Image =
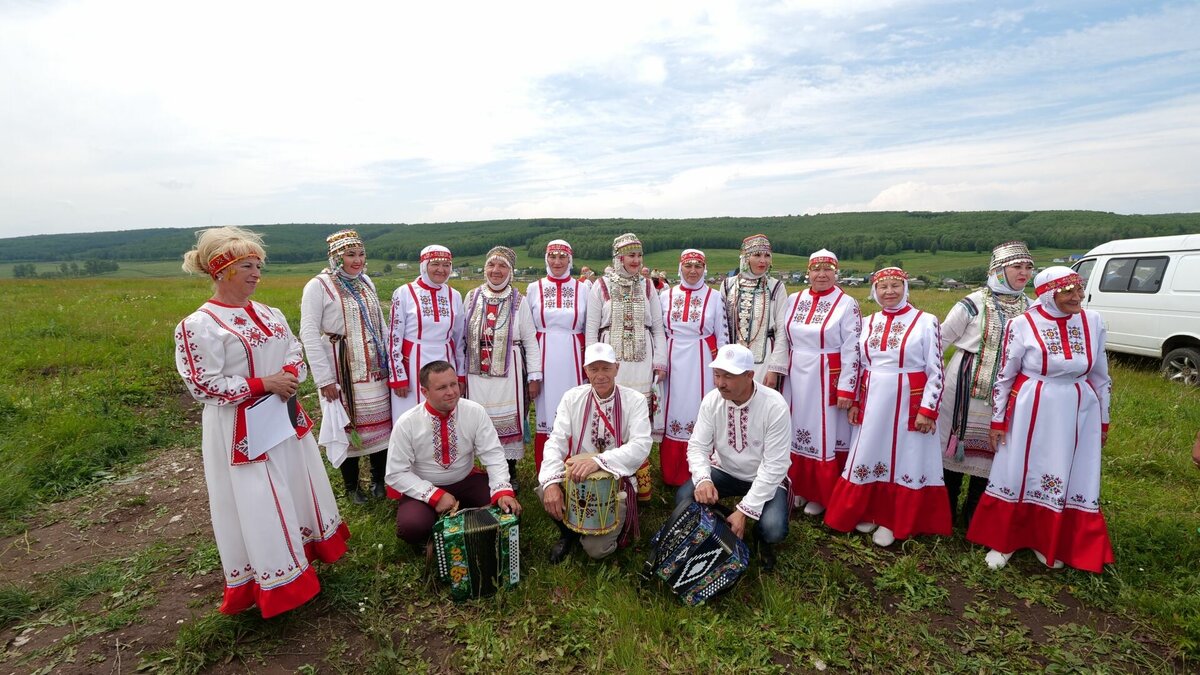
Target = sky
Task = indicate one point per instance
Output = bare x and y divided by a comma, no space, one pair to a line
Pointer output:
124,114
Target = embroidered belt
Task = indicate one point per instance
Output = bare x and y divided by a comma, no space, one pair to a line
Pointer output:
892,370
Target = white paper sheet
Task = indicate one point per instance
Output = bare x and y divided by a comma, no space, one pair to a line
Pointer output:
267,425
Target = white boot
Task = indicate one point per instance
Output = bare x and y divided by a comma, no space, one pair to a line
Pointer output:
865,528
797,501
1058,564
997,560
813,509
883,537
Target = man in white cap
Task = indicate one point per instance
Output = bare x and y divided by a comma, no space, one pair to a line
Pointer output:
599,417
740,448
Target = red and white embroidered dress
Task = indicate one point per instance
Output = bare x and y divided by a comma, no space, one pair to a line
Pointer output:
893,473
821,331
1052,398
272,515
695,326
559,311
429,449
427,325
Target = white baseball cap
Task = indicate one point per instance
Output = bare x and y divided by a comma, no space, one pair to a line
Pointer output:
600,351
733,359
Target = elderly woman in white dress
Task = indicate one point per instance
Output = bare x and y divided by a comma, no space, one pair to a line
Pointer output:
1049,423
624,311
819,332
502,353
754,302
345,340
892,483
695,326
426,326
975,328
272,509
558,306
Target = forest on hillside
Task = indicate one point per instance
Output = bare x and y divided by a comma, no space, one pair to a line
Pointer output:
860,236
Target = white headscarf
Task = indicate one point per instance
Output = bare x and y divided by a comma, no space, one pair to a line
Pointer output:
890,273
505,255
559,245
432,252
689,255
1050,280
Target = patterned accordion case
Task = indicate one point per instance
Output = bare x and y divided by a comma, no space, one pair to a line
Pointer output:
477,551
696,554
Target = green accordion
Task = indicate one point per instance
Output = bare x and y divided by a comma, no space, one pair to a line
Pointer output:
478,551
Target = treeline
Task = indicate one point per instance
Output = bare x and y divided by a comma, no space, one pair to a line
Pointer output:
861,236
90,268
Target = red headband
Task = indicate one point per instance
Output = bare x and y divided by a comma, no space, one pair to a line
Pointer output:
559,248
823,260
692,256
889,273
1061,282
436,255
220,262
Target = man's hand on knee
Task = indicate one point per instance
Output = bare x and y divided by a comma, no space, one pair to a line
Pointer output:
552,500
706,493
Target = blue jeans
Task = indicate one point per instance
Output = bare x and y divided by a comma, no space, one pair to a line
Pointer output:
772,527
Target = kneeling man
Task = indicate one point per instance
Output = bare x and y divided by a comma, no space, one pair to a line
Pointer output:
598,417
740,448
431,458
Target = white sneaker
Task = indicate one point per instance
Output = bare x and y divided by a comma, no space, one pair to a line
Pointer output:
1058,564
996,560
797,501
866,528
883,537
813,509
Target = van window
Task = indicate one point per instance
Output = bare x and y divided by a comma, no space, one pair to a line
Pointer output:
1133,275
1084,270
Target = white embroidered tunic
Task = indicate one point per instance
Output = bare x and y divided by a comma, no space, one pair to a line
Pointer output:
426,325
558,308
428,449
638,375
695,327
622,437
749,442
753,311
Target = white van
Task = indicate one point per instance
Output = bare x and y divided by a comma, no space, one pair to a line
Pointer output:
1148,293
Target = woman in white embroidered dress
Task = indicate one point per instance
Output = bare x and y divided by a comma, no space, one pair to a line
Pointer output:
820,331
892,483
426,325
558,305
624,312
345,341
502,353
1049,423
754,301
975,327
272,513
695,326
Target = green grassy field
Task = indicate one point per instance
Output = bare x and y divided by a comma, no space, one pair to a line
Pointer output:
88,389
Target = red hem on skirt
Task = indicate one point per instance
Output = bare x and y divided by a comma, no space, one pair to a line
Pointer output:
330,550
1078,538
672,458
275,601
539,444
904,511
814,479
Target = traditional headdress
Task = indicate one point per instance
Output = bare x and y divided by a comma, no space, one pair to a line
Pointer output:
219,262
506,254
890,273
1008,253
692,255
1054,280
823,257
433,252
755,243
559,246
338,243
625,244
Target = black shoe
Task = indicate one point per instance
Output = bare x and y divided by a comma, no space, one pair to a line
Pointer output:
512,475
562,548
766,552
357,496
378,490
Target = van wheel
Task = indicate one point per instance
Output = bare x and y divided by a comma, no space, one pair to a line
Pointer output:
1182,365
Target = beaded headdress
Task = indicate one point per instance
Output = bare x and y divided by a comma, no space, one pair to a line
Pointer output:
1009,253
626,243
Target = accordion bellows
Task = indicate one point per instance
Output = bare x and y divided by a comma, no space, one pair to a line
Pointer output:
477,551
696,554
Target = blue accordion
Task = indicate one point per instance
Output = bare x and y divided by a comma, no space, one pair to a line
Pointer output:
696,554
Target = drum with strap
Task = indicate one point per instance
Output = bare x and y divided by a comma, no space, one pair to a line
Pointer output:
591,504
477,551
695,554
